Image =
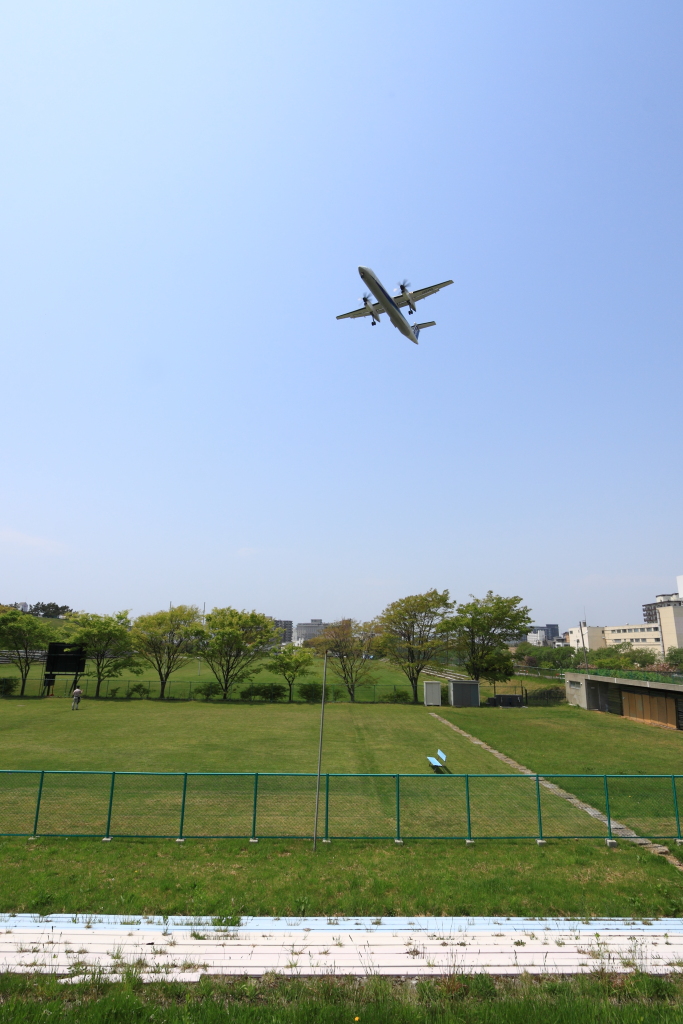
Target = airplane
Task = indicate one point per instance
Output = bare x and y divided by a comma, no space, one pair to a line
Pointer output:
386,304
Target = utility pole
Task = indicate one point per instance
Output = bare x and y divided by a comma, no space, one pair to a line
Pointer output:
320,756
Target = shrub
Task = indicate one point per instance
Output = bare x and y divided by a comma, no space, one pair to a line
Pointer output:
312,693
272,691
547,695
267,691
139,690
208,690
8,685
397,697
114,690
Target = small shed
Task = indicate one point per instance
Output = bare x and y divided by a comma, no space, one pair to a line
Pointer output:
432,693
463,693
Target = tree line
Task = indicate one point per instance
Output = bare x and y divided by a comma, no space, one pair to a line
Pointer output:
619,657
413,633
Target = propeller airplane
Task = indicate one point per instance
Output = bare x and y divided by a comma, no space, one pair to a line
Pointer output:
391,306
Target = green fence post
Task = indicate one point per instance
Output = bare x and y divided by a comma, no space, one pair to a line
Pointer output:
467,804
253,819
675,795
107,836
538,808
40,794
327,808
609,816
398,810
182,811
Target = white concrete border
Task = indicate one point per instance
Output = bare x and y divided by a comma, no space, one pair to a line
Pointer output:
184,949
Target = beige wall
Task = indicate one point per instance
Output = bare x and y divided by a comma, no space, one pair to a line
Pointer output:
671,620
643,635
593,636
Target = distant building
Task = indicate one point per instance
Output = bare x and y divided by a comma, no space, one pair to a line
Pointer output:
589,637
308,630
543,636
666,614
287,629
661,601
649,637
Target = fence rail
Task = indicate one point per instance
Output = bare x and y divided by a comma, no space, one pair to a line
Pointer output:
260,805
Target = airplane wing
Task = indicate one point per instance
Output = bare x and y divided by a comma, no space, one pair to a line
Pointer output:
362,311
419,293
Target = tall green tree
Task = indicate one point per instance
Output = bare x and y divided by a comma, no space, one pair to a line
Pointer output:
410,634
291,663
348,645
235,643
674,658
24,639
621,656
167,640
107,644
483,626
498,667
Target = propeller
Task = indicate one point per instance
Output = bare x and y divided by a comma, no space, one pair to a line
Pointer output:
404,286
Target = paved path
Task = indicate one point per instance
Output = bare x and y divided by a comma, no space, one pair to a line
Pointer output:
183,949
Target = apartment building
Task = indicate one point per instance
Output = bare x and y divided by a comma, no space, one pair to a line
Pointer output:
649,637
308,630
582,635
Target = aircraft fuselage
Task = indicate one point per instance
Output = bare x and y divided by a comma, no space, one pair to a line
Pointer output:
371,281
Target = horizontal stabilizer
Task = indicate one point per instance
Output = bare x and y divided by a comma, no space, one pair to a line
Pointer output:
430,323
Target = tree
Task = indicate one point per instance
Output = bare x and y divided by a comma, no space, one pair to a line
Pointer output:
233,643
544,657
409,632
24,640
347,644
106,642
497,666
674,658
621,656
49,610
291,663
483,626
166,640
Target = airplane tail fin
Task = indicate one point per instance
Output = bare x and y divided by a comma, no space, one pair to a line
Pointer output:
420,327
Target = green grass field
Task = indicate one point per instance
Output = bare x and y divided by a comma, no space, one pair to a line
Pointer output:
568,878
351,876
456,999
569,739
203,737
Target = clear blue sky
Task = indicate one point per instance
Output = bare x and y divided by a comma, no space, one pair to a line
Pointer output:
188,189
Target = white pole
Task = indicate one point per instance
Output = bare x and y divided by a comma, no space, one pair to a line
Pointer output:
320,756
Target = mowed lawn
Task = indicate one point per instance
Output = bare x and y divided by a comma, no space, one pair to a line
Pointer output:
152,736
569,739
197,736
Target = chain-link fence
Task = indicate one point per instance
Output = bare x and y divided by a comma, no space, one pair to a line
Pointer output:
259,805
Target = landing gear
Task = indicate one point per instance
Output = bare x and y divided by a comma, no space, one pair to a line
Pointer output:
373,323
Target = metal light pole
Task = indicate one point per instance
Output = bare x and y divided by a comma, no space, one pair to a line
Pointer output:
320,756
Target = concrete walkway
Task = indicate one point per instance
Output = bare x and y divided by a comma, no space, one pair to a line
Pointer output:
182,949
